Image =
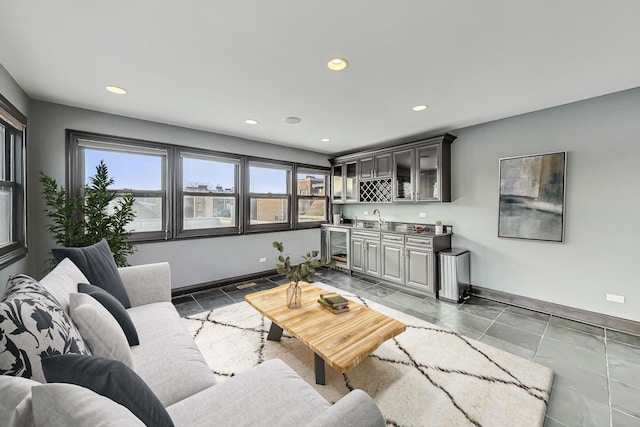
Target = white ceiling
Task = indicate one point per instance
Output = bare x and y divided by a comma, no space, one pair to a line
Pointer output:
210,65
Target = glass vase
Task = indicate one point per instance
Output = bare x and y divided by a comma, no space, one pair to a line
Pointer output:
294,296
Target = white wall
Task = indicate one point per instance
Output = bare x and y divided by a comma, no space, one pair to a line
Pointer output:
600,252
192,261
12,92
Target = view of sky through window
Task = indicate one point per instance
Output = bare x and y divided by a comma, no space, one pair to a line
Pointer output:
129,170
197,172
268,180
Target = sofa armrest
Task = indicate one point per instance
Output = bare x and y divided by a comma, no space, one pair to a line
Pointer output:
355,409
147,283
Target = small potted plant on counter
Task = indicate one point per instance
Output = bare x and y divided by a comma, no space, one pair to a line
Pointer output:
439,228
297,272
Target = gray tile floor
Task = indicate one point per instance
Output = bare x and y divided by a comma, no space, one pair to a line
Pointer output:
597,370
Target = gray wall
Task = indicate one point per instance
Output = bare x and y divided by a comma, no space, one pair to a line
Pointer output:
192,261
602,136
599,255
10,90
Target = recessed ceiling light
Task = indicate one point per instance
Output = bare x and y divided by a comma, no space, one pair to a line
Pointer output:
115,89
325,140
337,64
420,107
291,120
251,122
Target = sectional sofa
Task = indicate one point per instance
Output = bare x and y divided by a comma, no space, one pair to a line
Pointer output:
162,379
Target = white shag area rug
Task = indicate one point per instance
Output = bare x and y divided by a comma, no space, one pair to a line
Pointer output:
426,376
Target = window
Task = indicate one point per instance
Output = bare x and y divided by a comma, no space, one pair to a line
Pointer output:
209,194
183,192
12,182
136,168
269,196
312,197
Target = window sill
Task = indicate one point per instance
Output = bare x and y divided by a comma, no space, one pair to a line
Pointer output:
12,256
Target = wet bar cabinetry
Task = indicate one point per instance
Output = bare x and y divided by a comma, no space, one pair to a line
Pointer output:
344,182
419,171
375,166
365,252
392,257
404,259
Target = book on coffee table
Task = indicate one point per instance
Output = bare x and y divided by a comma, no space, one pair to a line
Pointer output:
334,310
334,299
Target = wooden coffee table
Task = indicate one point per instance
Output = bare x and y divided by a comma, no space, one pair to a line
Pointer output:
341,340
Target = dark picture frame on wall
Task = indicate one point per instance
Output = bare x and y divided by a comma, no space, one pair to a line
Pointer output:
532,197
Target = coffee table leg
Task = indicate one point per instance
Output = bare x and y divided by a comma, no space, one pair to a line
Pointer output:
319,368
275,332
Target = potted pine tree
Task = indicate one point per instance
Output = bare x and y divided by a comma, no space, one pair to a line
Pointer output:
102,213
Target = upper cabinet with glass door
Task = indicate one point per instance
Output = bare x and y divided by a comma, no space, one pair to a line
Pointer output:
422,171
403,175
417,171
344,180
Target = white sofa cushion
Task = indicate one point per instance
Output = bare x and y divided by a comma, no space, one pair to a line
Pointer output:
15,401
167,359
63,280
99,329
68,405
270,394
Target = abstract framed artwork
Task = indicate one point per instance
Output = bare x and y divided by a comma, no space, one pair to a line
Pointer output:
532,195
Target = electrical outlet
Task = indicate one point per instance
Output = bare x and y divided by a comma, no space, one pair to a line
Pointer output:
422,214
365,213
263,259
615,298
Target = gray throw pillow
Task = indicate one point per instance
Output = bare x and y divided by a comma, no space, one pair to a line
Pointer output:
33,325
111,379
99,329
64,405
97,264
116,309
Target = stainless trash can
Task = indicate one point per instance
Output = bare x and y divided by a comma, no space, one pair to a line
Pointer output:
454,274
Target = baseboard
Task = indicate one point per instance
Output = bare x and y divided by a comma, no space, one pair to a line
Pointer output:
584,316
176,292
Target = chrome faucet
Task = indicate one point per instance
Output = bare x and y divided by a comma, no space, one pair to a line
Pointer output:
380,220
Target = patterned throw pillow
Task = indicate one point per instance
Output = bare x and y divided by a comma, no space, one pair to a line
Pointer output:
33,325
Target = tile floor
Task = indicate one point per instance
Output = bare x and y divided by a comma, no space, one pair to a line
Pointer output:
597,381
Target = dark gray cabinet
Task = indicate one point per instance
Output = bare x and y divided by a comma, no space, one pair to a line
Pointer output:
365,252
420,264
344,182
392,248
422,172
419,171
421,267
403,175
375,166
405,260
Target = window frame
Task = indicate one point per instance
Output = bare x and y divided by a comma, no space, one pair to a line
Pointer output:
248,195
181,153
297,197
13,175
76,169
173,210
